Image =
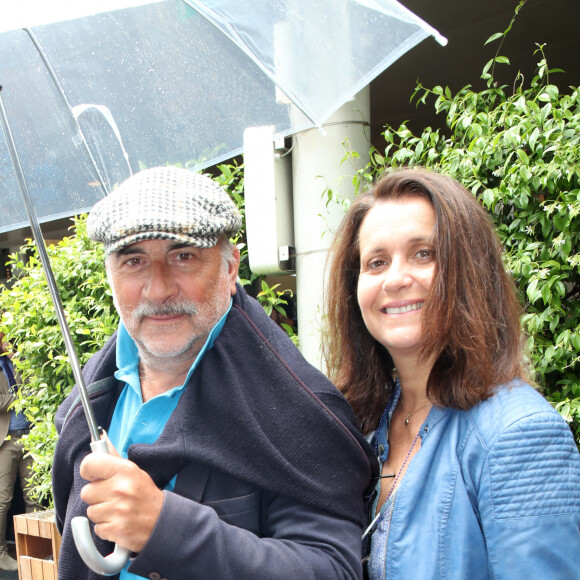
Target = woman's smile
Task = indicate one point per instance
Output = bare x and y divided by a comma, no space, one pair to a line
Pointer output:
403,309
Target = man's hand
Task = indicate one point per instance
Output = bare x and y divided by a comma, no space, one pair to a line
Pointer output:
124,502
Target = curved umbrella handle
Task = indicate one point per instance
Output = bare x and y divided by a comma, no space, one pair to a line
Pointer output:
106,566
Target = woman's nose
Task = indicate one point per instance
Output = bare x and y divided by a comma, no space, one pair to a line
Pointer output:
396,276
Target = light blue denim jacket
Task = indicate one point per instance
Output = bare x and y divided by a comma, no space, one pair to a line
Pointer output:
494,492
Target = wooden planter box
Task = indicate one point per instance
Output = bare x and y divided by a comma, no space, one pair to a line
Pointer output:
37,545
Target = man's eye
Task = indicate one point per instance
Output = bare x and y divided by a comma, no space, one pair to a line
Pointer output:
133,261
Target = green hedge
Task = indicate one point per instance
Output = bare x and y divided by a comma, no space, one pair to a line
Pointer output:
30,323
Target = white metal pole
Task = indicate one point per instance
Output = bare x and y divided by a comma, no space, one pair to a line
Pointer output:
316,166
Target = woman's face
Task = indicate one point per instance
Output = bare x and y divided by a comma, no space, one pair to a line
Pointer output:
397,263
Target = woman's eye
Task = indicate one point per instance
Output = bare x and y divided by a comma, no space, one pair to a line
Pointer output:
424,254
375,264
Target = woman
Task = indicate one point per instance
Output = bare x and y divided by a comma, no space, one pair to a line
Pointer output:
480,477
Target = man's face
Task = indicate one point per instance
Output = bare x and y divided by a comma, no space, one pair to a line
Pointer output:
170,295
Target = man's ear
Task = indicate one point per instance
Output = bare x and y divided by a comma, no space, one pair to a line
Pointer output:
233,266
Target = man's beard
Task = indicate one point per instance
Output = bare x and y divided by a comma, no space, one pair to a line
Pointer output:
203,319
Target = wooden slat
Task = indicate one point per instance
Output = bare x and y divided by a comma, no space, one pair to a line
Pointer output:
48,570
45,528
36,567
25,568
20,525
33,527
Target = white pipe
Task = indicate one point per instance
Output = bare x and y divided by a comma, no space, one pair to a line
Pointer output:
316,165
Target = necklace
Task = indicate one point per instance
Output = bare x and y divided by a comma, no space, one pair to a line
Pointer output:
412,412
396,480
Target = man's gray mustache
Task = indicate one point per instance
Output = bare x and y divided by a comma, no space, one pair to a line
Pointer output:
173,309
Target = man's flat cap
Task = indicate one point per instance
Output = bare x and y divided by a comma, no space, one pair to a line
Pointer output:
167,203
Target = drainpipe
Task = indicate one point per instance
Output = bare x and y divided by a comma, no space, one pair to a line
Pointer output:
316,166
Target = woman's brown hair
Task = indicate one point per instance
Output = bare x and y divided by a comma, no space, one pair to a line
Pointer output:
470,320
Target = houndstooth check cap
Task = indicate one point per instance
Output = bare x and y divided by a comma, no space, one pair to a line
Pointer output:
168,203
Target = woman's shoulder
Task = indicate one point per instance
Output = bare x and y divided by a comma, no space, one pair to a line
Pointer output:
531,458
516,398
516,408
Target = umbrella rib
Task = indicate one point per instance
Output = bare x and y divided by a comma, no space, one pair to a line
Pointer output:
57,84
235,38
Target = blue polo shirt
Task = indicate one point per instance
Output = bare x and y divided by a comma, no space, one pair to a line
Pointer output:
135,421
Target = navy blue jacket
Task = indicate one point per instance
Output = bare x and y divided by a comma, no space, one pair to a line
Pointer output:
271,468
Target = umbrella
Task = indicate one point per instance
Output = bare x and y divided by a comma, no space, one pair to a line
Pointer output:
97,92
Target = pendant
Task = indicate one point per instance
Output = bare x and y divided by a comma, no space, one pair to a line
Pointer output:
407,419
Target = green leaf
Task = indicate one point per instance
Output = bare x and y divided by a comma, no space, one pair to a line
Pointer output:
532,291
546,293
561,221
488,197
487,66
494,37
523,156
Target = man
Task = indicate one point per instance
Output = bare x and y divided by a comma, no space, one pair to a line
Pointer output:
13,461
237,459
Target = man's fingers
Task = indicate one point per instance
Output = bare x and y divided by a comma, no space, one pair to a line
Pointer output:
102,466
123,501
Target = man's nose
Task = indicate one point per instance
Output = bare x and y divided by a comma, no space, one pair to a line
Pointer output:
161,284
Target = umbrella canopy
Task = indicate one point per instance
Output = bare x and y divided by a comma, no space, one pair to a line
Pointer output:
96,90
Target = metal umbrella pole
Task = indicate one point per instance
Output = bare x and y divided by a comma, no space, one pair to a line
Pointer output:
116,561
